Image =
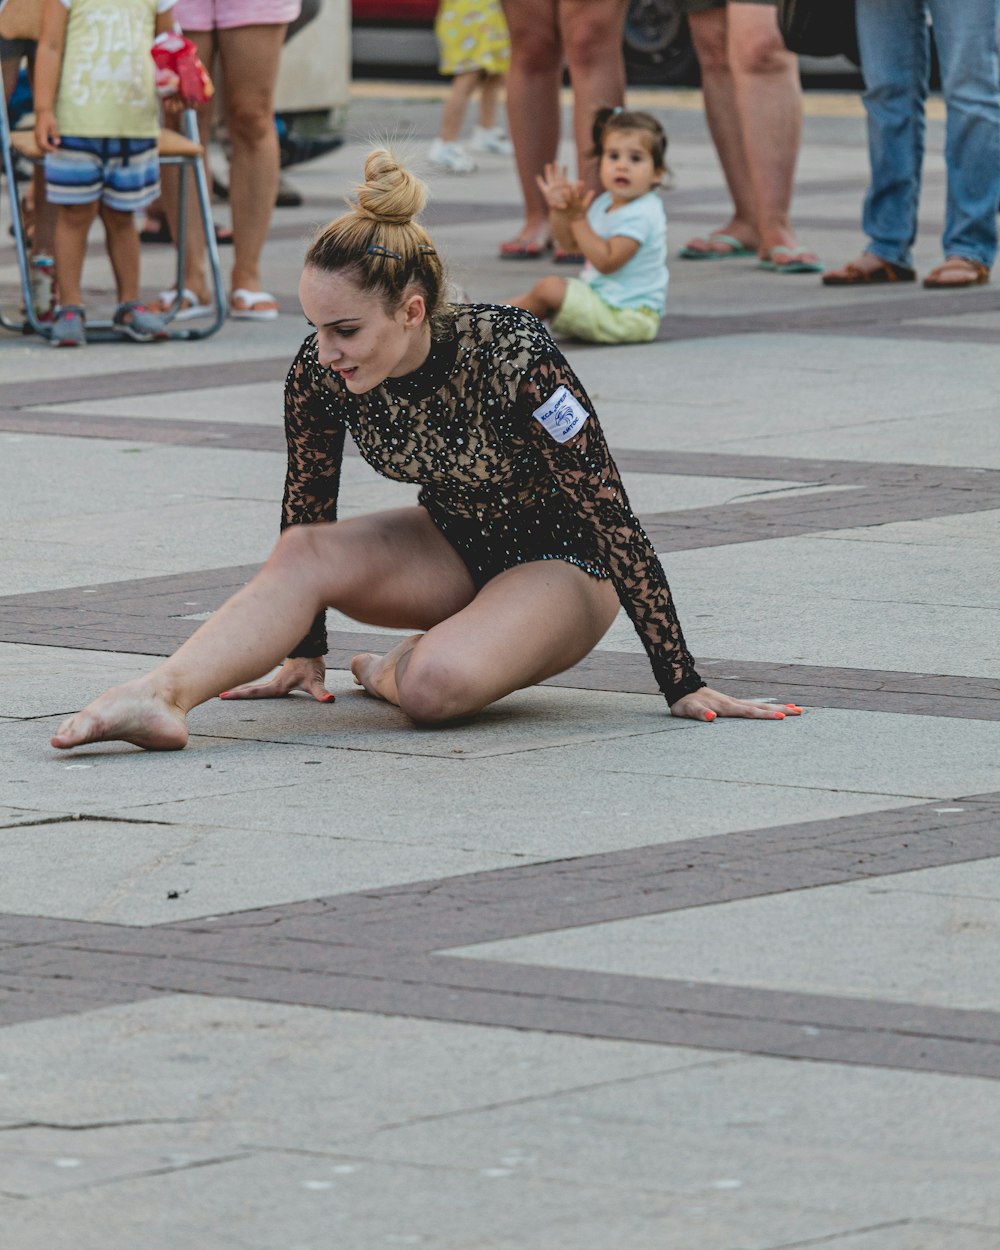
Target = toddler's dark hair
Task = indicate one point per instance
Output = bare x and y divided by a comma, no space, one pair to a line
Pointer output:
608,120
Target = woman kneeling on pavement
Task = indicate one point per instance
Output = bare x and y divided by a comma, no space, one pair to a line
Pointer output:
513,562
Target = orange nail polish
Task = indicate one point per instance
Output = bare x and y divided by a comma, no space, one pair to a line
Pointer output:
710,716
779,716
794,706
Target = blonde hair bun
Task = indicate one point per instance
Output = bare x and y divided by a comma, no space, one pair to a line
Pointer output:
390,193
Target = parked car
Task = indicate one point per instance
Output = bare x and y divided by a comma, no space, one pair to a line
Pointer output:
398,35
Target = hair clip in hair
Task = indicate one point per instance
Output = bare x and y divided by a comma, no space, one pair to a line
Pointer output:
376,249
426,247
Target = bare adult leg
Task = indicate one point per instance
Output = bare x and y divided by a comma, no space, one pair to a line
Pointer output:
393,569
195,275
528,624
592,33
769,105
710,34
250,56
532,111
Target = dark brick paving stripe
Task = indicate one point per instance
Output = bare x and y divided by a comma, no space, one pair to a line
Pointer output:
124,383
147,616
374,951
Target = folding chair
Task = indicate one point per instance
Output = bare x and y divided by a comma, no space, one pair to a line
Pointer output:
180,149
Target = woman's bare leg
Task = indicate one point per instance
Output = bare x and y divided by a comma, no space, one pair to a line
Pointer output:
195,274
533,104
592,32
393,569
250,57
528,624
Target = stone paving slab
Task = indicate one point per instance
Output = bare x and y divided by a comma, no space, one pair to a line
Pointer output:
922,938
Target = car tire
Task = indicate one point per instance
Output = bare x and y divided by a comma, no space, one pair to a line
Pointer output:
657,45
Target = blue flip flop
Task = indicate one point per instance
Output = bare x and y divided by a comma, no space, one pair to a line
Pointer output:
733,248
796,262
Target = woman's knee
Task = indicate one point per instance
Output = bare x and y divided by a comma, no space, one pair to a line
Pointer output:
432,689
251,124
760,50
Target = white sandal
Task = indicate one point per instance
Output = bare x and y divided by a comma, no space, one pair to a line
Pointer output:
190,305
251,299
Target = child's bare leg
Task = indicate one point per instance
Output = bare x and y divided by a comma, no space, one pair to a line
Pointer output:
544,299
123,251
489,98
456,103
72,227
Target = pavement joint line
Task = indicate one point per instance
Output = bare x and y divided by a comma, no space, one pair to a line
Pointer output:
385,951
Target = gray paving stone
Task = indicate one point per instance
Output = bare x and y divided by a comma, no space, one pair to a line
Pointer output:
461,803
109,776
138,873
870,752
923,937
919,1235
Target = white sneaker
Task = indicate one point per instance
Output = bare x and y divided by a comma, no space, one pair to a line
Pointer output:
451,157
494,141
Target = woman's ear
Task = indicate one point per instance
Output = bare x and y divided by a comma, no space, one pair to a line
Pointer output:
414,310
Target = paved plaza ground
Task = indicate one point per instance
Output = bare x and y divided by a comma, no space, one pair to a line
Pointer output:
572,975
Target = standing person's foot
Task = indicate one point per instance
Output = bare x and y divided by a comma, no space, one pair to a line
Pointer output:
130,713
188,305
868,270
528,244
789,258
67,328
491,140
451,157
135,321
957,272
247,305
717,246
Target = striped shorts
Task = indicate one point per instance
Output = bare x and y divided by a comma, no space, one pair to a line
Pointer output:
123,173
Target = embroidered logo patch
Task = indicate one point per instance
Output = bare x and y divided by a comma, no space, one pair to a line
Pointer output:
562,414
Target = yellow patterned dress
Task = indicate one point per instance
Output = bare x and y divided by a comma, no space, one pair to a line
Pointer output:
472,35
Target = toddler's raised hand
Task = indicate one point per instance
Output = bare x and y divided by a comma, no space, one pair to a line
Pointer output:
555,186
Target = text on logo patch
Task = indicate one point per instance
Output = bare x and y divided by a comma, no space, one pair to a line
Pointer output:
562,414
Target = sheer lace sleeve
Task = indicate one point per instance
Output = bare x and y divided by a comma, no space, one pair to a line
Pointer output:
584,469
314,430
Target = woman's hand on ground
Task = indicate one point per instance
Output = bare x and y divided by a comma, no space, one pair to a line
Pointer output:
707,704
299,674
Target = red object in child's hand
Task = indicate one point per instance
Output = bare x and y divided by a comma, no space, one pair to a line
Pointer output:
179,71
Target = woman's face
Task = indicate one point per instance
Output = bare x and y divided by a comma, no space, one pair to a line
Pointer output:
356,337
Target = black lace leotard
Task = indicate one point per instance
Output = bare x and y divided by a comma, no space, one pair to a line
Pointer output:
474,428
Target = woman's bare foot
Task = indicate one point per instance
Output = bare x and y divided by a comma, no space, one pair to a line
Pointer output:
130,713
377,673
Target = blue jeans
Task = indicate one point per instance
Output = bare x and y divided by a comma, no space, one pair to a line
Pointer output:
895,58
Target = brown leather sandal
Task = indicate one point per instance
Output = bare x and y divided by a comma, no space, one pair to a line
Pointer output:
853,275
971,272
